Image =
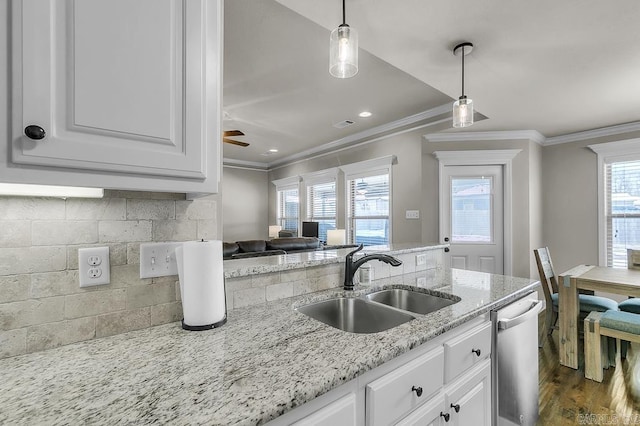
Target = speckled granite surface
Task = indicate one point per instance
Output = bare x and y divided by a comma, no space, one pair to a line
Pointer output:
266,360
234,268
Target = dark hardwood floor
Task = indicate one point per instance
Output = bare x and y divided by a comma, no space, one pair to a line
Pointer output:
567,398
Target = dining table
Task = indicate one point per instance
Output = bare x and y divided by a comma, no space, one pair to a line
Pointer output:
588,277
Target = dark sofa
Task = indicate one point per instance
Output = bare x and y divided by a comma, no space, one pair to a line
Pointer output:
254,248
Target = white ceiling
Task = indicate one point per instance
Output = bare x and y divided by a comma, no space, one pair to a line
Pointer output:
557,67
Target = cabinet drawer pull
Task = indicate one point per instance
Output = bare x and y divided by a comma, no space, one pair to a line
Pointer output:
417,390
456,407
34,132
476,351
445,415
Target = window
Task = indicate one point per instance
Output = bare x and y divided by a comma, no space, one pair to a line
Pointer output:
619,200
622,210
368,187
321,206
288,203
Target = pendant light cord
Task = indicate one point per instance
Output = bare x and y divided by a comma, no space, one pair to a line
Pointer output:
344,14
463,71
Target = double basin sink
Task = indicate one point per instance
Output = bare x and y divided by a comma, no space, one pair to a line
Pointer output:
377,311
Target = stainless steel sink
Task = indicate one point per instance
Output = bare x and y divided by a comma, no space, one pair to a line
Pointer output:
412,301
355,315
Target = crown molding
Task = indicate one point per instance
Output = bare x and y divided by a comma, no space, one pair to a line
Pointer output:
365,134
532,135
241,164
595,133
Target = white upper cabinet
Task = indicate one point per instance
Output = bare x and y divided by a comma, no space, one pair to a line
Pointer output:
117,93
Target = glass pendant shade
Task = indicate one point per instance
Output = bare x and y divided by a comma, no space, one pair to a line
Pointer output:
463,112
343,52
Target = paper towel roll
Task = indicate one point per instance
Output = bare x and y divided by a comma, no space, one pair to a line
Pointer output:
201,274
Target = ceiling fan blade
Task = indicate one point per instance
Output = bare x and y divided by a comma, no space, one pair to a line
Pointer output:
234,142
232,133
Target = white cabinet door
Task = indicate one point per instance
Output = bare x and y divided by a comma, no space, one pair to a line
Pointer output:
119,87
430,414
469,399
340,412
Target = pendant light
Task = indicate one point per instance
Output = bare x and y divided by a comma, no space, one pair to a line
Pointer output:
463,107
343,50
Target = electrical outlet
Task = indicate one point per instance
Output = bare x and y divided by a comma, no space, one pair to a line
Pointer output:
421,259
412,214
158,259
94,266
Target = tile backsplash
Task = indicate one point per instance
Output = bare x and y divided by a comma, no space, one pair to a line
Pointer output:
41,303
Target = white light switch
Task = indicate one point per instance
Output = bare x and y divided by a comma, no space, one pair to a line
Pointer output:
412,214
158,259
94,266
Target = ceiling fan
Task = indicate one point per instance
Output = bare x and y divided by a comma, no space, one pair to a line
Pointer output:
227,133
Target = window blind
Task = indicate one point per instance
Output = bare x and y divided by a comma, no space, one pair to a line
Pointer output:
288,208
622,210
368,207
321,206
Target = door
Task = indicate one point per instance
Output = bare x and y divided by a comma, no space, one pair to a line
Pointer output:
472,217
118,86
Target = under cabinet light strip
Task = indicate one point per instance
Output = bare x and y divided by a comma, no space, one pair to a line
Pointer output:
23,190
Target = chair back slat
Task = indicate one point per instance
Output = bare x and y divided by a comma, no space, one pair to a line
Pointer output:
546,272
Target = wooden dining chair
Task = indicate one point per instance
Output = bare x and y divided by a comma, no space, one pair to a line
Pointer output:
549,284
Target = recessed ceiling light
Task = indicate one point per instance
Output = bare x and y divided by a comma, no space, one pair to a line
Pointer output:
273,150
365,114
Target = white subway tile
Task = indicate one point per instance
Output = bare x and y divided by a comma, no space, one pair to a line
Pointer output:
52,335
31,312
15,233
32,259
121,322
48,233
174,230
14,288
96,209
94,303
151,209
196,210
25,208
124,231
13,342
51,284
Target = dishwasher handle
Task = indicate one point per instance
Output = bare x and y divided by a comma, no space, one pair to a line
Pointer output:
535,309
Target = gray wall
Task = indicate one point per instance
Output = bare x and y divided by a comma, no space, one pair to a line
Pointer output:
570,202
406,179
244,204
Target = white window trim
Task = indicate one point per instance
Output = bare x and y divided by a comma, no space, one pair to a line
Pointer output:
503,157
610,152
373,167
285,184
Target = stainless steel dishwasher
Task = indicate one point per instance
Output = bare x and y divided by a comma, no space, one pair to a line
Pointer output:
514,366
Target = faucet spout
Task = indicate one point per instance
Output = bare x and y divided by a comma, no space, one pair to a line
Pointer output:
350,267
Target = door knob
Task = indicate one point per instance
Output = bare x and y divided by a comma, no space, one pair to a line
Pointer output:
34,132
476,351
446,249
456,407
445,415
417,390
446,239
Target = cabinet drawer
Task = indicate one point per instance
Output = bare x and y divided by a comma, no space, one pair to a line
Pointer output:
395,394
429,414
461,353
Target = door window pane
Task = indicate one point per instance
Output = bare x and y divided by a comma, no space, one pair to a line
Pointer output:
471,215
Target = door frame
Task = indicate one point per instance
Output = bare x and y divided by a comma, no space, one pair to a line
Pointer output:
500,157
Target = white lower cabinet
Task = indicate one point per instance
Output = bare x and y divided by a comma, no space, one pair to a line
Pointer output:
446,381
468,400
340,412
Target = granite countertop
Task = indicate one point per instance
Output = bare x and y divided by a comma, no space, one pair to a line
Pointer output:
234,268
265,361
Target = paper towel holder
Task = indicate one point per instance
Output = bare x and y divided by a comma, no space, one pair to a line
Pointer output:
204,327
